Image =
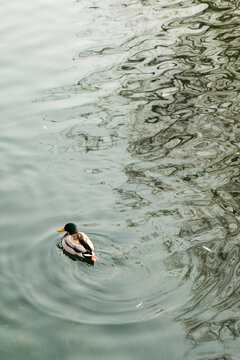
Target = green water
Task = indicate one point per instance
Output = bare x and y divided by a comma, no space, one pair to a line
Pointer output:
122,117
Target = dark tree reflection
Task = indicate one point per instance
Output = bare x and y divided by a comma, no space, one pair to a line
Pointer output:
187,131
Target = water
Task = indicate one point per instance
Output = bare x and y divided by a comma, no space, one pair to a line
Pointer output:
123,118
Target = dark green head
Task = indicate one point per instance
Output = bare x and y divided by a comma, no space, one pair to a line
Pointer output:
70,228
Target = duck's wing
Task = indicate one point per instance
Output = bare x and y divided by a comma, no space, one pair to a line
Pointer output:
84,241
71,246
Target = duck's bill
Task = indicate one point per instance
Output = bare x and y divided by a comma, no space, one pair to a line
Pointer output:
60,230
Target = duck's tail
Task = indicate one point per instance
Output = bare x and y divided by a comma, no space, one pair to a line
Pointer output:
90,256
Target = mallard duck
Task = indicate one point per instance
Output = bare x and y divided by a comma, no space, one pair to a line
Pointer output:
77,243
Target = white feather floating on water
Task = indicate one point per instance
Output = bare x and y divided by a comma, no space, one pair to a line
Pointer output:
206,248
140,304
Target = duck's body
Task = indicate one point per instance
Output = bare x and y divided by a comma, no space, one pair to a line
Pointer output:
77,243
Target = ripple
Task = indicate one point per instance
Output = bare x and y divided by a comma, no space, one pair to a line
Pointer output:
143,129
76,291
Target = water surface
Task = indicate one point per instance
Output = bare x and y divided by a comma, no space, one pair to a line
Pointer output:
123,118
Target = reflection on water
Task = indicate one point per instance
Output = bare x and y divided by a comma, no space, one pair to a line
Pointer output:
187,128
140,147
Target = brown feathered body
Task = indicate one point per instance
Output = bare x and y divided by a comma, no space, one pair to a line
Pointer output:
78,244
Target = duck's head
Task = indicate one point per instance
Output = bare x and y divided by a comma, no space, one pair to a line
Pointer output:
70,228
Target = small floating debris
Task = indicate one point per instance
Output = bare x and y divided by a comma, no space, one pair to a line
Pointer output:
140,304
206,248
44,126
165,94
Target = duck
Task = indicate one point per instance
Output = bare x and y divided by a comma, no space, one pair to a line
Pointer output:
77,243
